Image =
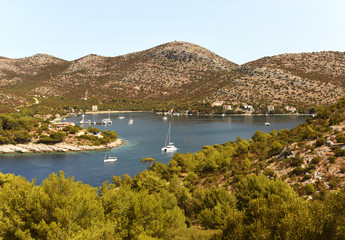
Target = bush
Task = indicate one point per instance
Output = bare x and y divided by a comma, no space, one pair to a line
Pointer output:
296,161
4,140
316,160
320,141
21,137
276,148
45,139
110,134
342,169
331,159
340,138
297,171
309,189
338,152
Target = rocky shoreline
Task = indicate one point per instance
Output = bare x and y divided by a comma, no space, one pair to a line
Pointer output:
59,147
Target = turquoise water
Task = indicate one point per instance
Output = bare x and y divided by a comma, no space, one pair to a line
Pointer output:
144,138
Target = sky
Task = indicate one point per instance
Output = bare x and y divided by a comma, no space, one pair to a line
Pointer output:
240,31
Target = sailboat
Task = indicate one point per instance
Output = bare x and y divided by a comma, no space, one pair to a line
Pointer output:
82,119
169,146
267,123
131,120
94,120
107,120
107,157
121,116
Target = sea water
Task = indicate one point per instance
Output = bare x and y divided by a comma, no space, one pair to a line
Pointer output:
144,138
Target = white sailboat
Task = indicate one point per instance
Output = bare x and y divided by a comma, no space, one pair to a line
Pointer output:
131,120
82,119
169,146
107,157
107,120
267,123
121,116
94,120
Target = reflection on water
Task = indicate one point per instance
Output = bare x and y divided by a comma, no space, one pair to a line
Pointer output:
144,138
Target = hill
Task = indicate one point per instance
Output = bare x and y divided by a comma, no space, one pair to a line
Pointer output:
176,72
167,72
295,79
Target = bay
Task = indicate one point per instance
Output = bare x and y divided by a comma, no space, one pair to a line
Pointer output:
144,138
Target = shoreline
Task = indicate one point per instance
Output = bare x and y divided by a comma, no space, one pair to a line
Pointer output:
202,114
59,147
111,111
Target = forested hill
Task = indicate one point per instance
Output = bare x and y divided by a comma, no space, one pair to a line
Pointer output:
173,72
282,185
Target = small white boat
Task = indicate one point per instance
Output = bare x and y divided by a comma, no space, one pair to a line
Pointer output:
130,121
267,123
165,118
106,121
121,116
107,157
82,119
169,146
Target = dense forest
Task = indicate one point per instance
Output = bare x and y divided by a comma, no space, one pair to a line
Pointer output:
226,191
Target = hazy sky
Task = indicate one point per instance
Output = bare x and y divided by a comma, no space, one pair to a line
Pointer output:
240,31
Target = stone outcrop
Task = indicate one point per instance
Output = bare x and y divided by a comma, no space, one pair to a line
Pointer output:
59,147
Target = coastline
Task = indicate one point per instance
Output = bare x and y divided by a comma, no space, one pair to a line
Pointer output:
111,111
202,114
59,147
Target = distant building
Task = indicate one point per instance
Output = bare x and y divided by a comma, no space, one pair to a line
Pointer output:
84,98
57,115
270,108
47,116
217,103
290,109
94,108
227,107
248,108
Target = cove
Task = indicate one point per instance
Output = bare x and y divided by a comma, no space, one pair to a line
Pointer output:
144,138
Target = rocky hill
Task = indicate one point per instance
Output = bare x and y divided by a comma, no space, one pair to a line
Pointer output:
175,71
308,78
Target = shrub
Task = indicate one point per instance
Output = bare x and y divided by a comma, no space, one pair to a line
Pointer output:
45,139
4,140
21,137
331,159
338,152
309,189
342,169
320,141
340,138
276,148
298,171
316,160
296,161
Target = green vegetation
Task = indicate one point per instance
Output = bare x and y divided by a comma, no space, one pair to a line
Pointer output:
225,191
17,128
